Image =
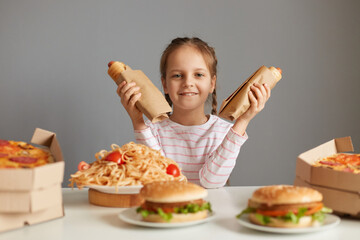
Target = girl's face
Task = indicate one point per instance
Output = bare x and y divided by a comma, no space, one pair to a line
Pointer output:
188,81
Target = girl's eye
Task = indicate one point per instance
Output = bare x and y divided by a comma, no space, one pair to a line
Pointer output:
177,76
199,75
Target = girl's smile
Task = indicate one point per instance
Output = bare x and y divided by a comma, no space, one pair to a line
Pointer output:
188,94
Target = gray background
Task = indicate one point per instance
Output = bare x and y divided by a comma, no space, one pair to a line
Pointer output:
54,55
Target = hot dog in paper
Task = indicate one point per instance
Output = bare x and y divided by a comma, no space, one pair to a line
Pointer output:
238,102
152,102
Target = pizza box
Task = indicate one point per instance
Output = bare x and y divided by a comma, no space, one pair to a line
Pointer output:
28,179
326,177
341,202
10,221
33,195
30,201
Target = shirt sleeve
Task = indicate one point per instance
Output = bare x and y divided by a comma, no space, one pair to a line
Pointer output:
148,137
220,163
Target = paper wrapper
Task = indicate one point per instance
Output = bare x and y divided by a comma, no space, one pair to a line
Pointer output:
152,102
238,102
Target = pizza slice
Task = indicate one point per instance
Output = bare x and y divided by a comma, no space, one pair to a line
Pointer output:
341,162
18,154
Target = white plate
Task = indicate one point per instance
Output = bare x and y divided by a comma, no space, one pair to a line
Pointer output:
130,216
330,222
120,190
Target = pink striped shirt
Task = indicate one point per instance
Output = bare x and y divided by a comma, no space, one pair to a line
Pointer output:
206,153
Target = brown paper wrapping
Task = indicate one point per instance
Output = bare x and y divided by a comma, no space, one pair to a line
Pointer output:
152,102
238,102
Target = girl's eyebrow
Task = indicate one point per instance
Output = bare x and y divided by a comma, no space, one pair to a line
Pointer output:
180,70
200,69
175,70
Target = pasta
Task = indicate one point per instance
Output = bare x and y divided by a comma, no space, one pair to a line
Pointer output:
140,165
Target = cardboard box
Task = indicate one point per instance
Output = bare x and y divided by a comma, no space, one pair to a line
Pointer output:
342,202
341,190
30,201
33,195
10,221
40,177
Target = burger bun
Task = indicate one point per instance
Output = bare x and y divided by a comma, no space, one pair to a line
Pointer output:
172,191
285,194
177,218
305,221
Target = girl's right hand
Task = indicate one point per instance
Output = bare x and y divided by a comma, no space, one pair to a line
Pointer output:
129,95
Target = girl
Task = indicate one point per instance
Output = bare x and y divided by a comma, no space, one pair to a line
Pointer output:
205,146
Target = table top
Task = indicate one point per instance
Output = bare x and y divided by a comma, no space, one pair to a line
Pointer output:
85,221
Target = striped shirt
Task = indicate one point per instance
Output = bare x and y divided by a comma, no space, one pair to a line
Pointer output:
206,153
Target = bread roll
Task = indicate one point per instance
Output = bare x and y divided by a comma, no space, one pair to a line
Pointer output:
276,72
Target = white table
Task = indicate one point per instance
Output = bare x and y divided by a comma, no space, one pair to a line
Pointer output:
84,221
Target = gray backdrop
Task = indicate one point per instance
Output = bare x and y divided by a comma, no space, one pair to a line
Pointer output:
54,55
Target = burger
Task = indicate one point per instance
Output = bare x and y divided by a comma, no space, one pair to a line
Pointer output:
173,201
286,206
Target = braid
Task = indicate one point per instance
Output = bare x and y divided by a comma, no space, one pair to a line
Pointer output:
214,103
167,97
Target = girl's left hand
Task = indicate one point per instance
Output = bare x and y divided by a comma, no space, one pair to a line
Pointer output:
258,96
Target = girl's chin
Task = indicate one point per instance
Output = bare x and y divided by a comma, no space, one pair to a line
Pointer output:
188,107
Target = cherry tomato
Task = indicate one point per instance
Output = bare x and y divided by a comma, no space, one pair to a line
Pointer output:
172,169
83,166
114,156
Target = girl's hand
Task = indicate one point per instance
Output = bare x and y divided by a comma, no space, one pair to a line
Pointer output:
258,96
129,95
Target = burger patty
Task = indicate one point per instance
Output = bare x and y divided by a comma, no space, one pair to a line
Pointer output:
153,206
289,207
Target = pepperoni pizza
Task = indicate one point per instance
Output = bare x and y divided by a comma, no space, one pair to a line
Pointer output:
16,154
341,162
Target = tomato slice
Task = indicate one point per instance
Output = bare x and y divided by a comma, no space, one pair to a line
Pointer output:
278,213
168,209
172,169
273,213
114,156
314,209
83,166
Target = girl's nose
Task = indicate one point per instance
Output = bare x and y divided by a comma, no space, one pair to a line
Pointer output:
188,81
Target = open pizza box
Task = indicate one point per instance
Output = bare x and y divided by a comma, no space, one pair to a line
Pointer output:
341,190
33,195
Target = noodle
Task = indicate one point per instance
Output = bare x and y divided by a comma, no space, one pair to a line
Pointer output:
141,165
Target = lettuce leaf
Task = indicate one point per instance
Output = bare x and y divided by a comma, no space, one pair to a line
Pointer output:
246,211
189,208
320,216
166,216
263,219
294,218
193,208
291,217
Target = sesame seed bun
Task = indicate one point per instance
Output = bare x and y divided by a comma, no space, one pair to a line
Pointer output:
285,194
172,191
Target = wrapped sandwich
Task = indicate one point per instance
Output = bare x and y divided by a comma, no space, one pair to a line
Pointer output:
238,102
152,102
